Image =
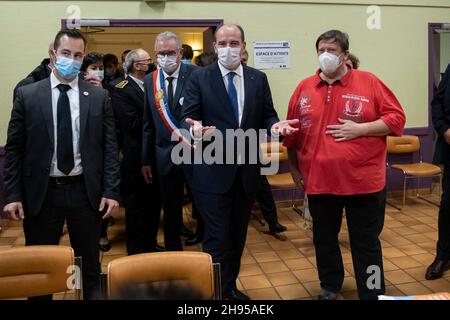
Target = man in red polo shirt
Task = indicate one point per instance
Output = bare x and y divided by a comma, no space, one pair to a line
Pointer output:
339,157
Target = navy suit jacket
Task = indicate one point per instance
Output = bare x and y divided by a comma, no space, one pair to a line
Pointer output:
156,137
440,114
206,99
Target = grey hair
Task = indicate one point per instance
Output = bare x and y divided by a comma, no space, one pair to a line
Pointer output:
131,58
166,36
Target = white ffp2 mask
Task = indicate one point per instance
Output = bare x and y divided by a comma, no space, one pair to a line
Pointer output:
329,62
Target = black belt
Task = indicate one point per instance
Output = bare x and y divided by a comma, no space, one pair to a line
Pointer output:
66,180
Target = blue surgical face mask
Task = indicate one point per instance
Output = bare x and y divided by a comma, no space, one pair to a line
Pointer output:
67,68
97,73
186,61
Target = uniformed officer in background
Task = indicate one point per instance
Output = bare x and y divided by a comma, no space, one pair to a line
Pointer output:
142,201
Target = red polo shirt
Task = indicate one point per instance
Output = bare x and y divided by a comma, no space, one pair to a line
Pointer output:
356,166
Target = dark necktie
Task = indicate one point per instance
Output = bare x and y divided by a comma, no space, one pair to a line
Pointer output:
170,95
232,93
64,148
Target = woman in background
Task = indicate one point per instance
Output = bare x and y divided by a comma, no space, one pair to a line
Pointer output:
92,70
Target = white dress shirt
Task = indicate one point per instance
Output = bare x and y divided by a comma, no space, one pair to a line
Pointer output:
74,100
238,81
140,83
174,75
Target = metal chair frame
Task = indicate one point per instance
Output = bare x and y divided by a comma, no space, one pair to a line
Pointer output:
407,176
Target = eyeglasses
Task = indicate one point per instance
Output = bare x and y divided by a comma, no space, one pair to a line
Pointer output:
144,61
167,53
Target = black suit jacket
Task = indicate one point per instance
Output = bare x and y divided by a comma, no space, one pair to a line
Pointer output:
156,136
128,105
440,114
29,147
206,99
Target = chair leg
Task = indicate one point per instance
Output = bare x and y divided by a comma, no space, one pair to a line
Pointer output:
388,202
294,207
393,205
418,187
428,200
404,192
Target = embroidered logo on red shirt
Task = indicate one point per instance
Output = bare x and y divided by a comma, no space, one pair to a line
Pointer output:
305,101
305,110
353,109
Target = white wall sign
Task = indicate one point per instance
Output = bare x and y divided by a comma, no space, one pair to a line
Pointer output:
271,55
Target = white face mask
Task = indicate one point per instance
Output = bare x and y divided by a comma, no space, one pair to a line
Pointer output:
329,62
167,63
230,58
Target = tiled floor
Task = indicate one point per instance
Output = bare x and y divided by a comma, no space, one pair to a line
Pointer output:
285,268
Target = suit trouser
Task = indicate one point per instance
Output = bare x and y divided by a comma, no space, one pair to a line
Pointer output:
443,244
226,219
104,228
172,193
365,220
142,211
195,213
69,202
266,202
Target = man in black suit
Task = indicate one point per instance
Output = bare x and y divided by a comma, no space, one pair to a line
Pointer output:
42,71
164,96
228,96
268,207
142,200
62,159
440,113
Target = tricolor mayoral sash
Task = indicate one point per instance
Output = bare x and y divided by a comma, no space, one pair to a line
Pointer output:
163,108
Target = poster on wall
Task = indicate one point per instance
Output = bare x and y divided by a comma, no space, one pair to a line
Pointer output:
271,55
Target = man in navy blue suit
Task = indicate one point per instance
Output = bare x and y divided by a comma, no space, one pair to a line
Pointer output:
440,110
221,97
162,109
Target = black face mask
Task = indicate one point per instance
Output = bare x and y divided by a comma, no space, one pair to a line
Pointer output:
151,68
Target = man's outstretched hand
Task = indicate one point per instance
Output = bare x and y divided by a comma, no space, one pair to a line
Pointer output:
285,127
198,130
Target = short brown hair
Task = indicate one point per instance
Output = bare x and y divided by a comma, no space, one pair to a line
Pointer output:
71,33
341,38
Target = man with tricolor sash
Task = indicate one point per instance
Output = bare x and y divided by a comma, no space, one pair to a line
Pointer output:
164,95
